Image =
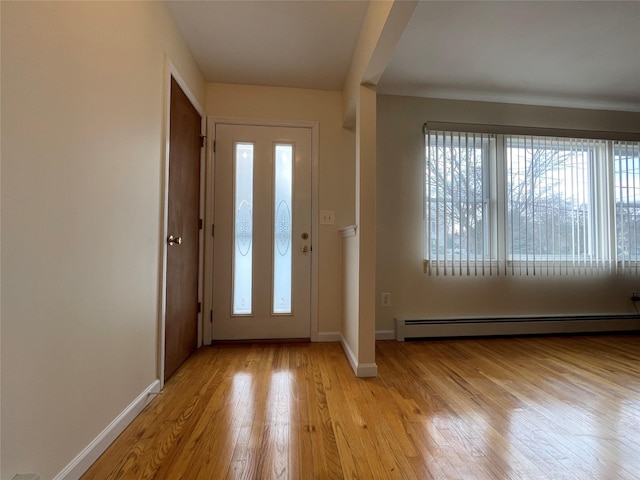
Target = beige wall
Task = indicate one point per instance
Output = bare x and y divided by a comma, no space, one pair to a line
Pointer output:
0,252
400,221
335,163
82,120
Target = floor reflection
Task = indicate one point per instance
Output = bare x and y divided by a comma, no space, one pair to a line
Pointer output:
279,422
538,418
239,421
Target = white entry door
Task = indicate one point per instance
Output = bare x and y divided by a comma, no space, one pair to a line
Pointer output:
262,236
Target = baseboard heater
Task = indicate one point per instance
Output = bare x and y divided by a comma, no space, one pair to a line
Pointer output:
497,326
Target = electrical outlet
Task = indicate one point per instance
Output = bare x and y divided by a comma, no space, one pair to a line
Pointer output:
385,299
327,217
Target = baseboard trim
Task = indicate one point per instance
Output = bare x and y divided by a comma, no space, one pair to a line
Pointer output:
328,337
385,334
367,370
79,465
362,370
349,353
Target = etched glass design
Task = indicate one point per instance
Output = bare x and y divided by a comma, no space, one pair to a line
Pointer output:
243,229
282,222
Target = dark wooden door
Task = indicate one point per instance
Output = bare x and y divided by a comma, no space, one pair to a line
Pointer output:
181,321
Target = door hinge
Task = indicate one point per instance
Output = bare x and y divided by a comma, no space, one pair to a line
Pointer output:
213,229
203,141
211,316
199,224
214,146
199,307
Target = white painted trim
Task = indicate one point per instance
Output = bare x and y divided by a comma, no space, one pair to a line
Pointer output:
367,370
201,214
315,237
164,192
349,231
362,370
315,231
349,353
385,334
81,463
169,71
173,71
329,337
262,122
207,281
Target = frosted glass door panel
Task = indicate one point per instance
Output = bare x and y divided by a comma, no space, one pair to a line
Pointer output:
243,220
282,229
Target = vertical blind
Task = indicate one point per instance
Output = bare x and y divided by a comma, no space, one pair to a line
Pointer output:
553,206
459,230
626,184
530,205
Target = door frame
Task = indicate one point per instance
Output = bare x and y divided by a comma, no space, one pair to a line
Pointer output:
171,71
212,121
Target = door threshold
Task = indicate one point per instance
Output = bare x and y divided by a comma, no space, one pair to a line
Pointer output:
260,340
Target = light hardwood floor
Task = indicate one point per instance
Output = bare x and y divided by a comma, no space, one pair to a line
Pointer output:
517,408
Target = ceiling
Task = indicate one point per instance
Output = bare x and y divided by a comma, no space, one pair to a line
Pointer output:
582,54
303,44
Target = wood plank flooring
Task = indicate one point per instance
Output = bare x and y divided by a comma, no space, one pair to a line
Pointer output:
517,408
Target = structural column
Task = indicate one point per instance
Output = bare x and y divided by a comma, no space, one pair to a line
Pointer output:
366,233
359,328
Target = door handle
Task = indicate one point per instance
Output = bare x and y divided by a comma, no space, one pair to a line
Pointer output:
174,240
305,248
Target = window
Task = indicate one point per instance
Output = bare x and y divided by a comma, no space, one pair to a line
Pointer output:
243,229
282,261
530,205
458,198
626,179
552,203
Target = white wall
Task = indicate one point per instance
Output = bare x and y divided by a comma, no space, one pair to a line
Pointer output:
336,170
82,116
399,253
